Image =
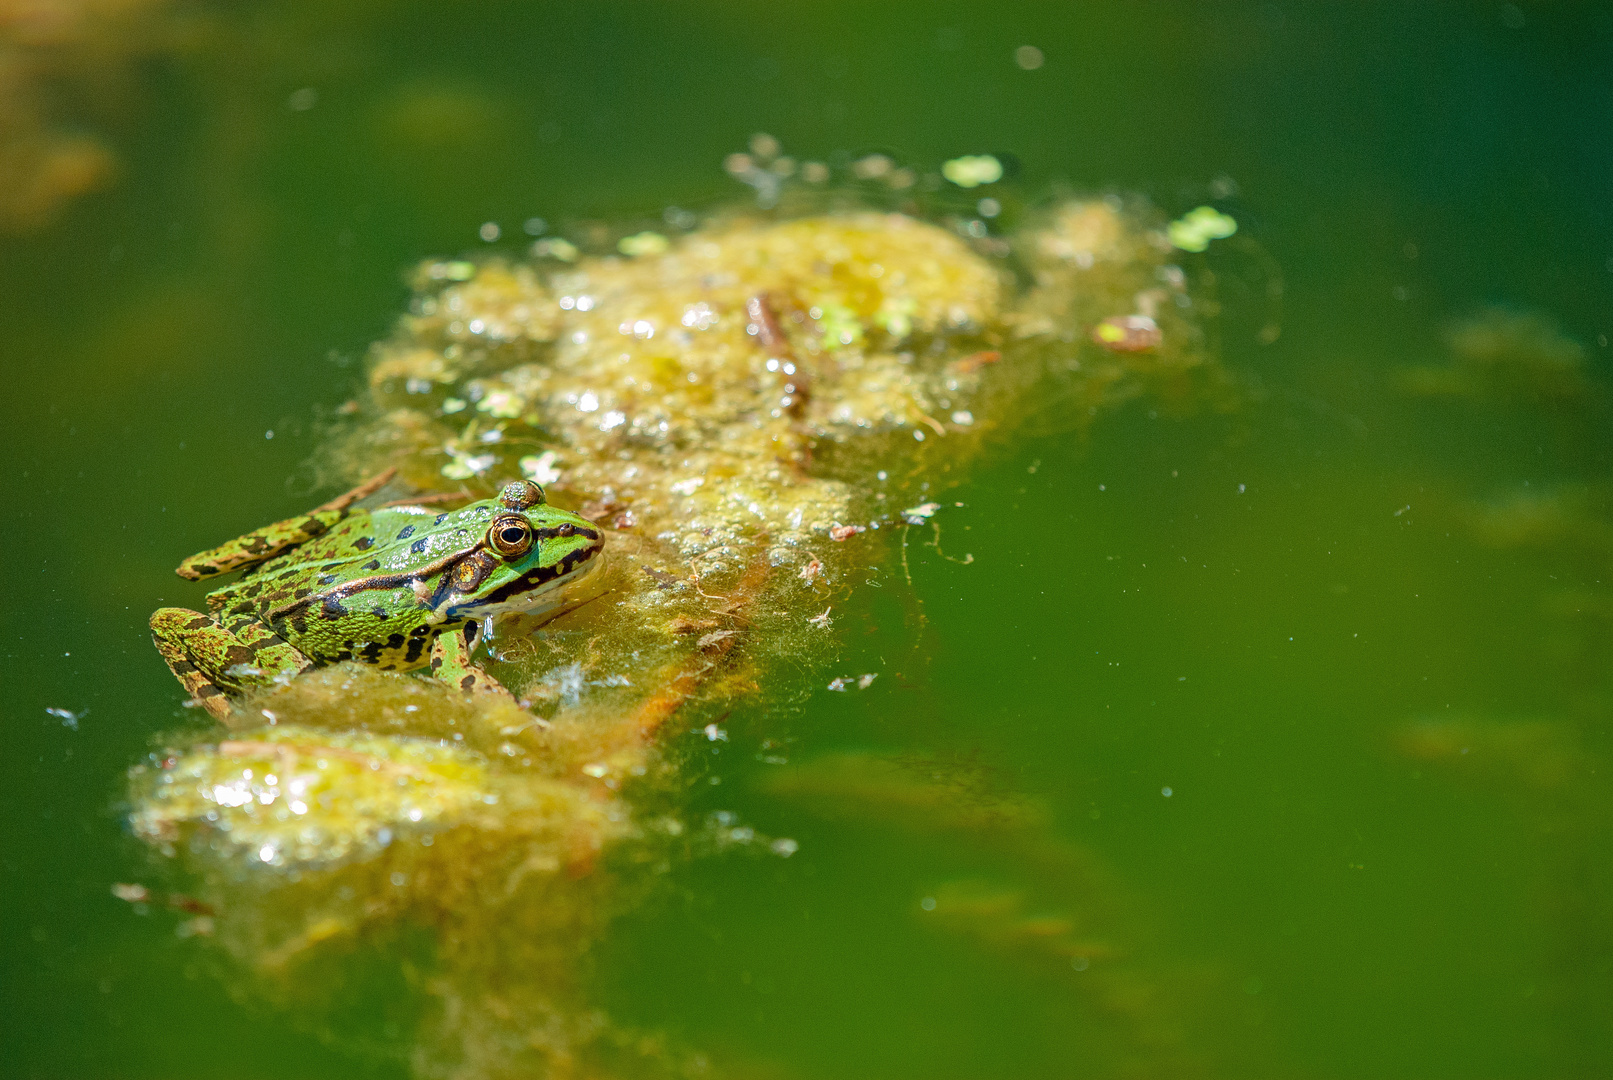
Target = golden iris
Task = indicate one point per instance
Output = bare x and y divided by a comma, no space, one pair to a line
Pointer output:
510,536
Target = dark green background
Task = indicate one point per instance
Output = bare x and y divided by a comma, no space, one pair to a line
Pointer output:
229,284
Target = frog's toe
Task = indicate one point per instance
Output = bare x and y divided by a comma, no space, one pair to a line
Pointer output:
477,681
450,662
175,622
172,631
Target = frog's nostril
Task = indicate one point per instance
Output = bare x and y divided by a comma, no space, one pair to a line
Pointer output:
566,529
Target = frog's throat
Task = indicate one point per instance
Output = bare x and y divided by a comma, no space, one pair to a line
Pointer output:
540,588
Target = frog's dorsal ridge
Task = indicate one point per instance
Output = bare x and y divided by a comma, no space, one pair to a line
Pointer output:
398,580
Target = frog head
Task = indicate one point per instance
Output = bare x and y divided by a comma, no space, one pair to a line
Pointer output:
526,561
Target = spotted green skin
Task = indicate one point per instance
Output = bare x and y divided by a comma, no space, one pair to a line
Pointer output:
398,588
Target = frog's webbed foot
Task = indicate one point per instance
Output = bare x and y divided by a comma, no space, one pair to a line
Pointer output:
212,663
450,662
171,627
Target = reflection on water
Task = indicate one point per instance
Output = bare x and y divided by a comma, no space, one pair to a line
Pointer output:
1266,740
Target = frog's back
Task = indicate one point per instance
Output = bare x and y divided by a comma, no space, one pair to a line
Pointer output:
350,540
388,537
379,626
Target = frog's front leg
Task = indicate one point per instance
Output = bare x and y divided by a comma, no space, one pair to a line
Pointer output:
450,662
212,662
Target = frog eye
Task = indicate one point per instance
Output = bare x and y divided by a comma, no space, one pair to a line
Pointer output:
510,536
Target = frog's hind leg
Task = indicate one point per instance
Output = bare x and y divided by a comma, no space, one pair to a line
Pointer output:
450,662
269,541
212,662
170,627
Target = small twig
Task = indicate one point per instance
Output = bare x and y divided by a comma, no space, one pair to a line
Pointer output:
434,499
906,570
770,333
694,578
936,544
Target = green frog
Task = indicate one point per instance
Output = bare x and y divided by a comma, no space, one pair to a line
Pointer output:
400,587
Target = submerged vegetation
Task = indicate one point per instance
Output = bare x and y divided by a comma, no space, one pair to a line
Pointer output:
1549,764
756,408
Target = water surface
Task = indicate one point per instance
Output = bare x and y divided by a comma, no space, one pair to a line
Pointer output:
1313,704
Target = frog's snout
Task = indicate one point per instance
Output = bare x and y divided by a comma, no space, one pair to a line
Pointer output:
593,534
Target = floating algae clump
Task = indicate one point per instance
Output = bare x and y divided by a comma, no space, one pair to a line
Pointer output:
725,403
690,388
746,410
368,803
256,794
1507,355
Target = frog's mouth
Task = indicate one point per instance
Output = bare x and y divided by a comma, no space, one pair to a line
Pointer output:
542,591
513,622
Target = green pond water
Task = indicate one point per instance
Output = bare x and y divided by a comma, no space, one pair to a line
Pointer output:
1312,699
